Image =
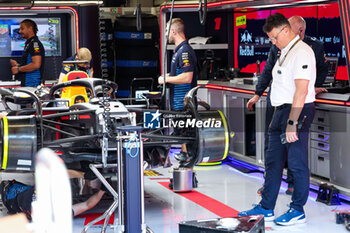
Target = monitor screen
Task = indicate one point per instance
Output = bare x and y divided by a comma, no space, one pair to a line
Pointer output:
12,43
332,69
323,23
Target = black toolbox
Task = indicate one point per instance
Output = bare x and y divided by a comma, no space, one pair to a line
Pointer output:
248,224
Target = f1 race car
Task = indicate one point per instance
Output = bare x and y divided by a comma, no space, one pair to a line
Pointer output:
87,131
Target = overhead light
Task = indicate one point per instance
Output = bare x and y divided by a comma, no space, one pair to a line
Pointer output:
285,4
76,2
17,1
7,14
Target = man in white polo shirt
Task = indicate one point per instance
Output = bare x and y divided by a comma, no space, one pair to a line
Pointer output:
292,95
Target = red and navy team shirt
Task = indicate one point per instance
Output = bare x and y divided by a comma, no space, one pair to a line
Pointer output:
183,60
33,47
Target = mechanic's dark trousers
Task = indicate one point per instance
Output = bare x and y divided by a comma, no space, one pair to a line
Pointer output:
290,179
268,118
297,158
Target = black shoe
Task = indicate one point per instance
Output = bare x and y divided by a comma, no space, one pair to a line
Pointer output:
182,157
189,163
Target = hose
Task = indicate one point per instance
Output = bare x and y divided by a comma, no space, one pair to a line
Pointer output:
137,12
166,46
202,9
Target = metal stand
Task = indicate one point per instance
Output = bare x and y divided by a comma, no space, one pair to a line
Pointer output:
106,215
130,184
328,194
130,180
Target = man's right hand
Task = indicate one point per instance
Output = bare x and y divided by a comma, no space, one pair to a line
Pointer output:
13,62
252,101
14,70
319,90
160,80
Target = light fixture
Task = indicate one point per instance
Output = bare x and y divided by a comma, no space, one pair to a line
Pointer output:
75,2
11,14
283,3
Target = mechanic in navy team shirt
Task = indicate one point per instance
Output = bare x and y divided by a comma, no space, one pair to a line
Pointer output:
83,54
183,71
30,70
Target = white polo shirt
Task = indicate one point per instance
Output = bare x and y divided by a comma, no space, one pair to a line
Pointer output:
295,62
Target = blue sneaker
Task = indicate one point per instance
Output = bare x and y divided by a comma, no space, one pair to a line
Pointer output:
291,217
259,210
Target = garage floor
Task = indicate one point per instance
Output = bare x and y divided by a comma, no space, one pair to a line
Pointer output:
222,191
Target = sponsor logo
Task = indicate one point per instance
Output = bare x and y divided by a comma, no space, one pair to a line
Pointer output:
184,55
134,36
246,51
148,36
246,37
241,20
336,40
3,29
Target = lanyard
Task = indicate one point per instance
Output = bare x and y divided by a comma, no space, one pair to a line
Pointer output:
284,58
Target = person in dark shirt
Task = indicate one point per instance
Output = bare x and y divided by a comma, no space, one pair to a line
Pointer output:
183,72
298,26
19,197
83,54
30,70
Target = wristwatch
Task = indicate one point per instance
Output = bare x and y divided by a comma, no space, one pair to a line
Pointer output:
19,69
290,122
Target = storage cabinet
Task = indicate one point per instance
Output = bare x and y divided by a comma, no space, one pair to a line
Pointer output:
319,145
340,147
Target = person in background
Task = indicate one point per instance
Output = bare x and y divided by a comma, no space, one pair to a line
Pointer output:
94,199
83,54
31,68
18,198
292,96
183,74
29,194
298,26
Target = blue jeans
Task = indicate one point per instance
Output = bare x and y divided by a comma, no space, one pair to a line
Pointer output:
297,158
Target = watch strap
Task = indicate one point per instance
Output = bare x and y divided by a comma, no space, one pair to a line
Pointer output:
290,122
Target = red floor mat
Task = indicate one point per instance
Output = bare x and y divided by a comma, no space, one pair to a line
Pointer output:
206,202
90,217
